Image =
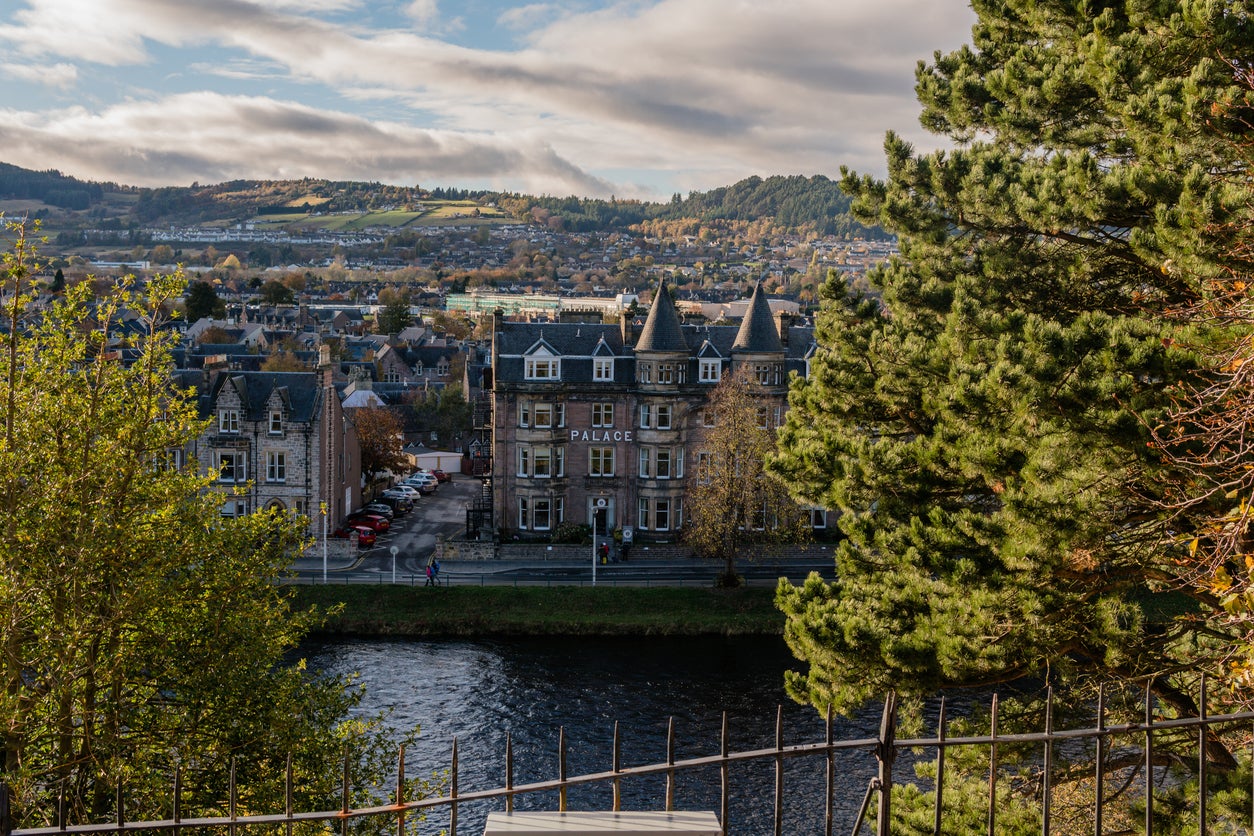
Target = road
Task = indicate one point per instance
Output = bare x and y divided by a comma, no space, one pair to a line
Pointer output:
443,514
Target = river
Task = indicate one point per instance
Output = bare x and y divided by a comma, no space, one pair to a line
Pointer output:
478,691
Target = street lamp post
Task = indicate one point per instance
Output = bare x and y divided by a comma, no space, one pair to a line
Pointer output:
594,546
394,550
324,542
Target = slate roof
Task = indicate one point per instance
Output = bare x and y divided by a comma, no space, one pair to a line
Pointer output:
757,330
662,330
300,391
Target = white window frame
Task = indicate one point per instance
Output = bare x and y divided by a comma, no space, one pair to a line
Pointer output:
276,422
542,416
661,507
662,416
603,414
524,414
602,368
665,373
711,370
276,466
705,464
541,505
228,421
597,457
542,367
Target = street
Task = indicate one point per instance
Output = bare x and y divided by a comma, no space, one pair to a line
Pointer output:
443,514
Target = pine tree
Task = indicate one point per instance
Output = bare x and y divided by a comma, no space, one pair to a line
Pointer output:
982,421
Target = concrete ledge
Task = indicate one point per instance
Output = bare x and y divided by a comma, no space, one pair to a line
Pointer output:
592,824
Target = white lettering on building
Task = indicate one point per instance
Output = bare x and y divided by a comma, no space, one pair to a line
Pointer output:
600,435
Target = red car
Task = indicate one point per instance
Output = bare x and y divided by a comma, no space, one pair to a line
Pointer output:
365,535
379,524
441,476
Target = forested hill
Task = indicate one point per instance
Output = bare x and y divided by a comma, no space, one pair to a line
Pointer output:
778,204
793,203
51,187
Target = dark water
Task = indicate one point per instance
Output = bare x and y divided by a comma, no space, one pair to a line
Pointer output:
478,691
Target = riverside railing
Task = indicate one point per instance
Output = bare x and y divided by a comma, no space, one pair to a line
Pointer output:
884,748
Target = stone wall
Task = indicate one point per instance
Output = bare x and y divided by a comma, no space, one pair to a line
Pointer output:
465,550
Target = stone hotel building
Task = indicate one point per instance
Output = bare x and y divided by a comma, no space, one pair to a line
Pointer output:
596,423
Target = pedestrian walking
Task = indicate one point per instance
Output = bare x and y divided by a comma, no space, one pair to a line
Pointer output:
430,576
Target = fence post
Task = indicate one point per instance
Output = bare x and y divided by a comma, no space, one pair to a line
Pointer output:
886,753
6,823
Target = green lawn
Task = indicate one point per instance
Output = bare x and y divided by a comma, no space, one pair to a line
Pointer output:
538,611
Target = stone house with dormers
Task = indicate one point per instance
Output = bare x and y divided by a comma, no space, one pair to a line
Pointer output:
279,440
602,424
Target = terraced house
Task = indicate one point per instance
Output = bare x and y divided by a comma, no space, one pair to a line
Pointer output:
278,440
600,424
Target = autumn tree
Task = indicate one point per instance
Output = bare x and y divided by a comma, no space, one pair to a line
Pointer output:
142,631
732,501
380,432
982,422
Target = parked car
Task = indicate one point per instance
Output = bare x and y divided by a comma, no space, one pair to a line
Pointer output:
442,476
401,501
412,491
422,482
394,502
376,522
381,508
365,536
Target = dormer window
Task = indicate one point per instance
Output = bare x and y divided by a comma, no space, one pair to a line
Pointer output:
276,422
228,420
711,370
542,367
603,368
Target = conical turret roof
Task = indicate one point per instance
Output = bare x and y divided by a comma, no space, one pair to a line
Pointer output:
662,330
757,330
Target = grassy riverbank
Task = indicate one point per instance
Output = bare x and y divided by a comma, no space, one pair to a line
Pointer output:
543,611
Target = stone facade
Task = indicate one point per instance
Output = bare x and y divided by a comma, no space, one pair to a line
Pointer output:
599,425
279,440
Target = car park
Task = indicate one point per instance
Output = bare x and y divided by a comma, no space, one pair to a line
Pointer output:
382,509
412,491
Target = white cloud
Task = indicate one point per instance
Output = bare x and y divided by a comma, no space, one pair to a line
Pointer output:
423,12
698,92
60,75
149,143
528,16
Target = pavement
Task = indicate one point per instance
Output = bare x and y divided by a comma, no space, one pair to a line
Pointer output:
443,515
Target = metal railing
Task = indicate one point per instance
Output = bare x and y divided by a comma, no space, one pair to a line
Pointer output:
884,748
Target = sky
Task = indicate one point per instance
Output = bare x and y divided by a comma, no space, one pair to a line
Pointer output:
595,98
